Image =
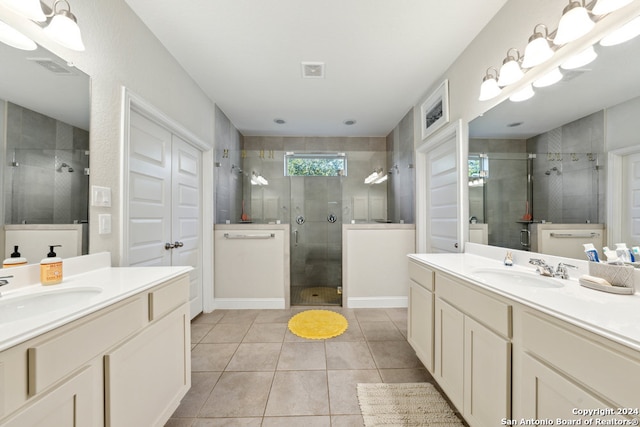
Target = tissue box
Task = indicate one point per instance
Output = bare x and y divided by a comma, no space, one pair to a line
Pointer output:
617,275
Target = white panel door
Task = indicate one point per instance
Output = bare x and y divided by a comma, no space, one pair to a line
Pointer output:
165,181
442,197
631,200
149,192
186,206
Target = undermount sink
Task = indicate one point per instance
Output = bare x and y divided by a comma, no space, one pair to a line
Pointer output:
26,305
511,277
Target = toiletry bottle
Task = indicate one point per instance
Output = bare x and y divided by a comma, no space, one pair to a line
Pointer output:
623,252
15,260
591,251
51,268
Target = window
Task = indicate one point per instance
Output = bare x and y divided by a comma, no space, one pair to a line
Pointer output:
334,164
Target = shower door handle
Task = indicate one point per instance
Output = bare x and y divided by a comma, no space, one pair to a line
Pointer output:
295,236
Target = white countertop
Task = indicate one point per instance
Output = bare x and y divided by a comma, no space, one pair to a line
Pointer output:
116,284
616,317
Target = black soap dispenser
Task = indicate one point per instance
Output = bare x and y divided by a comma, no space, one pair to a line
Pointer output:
15,260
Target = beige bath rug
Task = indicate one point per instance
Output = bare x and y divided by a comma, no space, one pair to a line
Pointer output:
411,404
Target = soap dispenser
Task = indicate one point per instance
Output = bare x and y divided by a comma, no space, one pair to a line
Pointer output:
15,260
51,268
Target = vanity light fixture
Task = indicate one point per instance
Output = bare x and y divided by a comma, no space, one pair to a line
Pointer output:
14,38
63,27
489,88
580,60
523,94
30,9
538,49
625,33
574,23
510,72
552,77
602,7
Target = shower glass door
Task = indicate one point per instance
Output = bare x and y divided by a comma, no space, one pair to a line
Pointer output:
316,240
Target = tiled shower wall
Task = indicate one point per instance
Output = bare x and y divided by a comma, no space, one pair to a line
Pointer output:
227,178
401,187
574,191
37,189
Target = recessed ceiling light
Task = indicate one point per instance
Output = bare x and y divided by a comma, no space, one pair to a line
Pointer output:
349,122
279,121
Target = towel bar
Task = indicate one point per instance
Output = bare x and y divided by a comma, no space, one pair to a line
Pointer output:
572,235
249,236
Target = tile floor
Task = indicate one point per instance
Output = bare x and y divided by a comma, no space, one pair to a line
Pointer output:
248,369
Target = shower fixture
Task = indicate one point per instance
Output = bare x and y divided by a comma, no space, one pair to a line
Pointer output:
553,169
64,165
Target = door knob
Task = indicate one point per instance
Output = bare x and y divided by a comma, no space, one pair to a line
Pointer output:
168,246
178,244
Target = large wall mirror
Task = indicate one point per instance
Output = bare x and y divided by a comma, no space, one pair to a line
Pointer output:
543,160
44,123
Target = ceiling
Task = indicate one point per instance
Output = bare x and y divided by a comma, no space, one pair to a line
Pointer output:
380,57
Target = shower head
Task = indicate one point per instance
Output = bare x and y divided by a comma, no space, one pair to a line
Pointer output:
64,165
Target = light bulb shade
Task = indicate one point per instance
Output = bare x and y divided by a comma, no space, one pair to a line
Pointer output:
603,7
489,89
581,59
510,72
63,29
14,38
523,94
625,33
552,77
575,23
536,52
31,9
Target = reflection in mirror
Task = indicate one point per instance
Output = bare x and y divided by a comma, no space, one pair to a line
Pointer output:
544,158
44,105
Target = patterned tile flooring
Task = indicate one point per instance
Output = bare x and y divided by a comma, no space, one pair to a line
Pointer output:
248,369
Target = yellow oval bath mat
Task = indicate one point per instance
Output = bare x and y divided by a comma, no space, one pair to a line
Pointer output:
318,324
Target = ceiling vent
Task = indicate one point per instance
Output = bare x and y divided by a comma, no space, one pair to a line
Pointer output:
313,70
53,66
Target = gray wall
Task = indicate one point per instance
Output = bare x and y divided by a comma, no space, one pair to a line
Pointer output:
38,190
401,187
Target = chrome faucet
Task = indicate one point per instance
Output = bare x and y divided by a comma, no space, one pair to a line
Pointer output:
4,281
561,270
542,267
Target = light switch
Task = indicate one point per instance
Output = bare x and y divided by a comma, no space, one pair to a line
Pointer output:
104,224
100,196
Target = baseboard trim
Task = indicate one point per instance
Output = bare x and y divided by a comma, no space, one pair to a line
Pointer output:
377,302
248,303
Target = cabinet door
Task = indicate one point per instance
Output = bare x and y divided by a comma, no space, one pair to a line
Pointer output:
546,394
68,405
487,375
420,327
449,351
146,377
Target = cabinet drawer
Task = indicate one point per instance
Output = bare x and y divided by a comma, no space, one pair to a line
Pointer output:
52,359
421,275
584,356
487,310
166,298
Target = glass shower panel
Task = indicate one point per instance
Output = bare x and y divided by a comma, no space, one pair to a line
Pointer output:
316,240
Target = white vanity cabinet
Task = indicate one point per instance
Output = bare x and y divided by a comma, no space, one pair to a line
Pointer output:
420,313
559,368
80,373
473,350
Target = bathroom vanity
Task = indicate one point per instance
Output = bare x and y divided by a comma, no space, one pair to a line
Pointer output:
506,344
112,348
